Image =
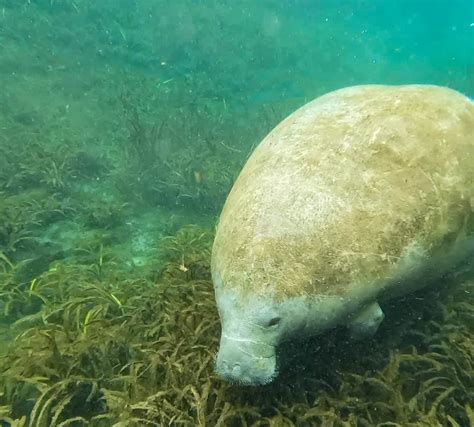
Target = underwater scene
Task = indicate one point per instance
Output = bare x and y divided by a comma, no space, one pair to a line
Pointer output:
123,127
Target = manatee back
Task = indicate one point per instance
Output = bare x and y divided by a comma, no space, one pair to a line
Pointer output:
339,191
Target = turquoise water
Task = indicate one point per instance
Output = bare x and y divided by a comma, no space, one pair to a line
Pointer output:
123,124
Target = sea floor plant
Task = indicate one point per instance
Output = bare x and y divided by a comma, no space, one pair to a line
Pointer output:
127,349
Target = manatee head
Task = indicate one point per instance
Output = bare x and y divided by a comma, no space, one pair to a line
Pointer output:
252,328
250,335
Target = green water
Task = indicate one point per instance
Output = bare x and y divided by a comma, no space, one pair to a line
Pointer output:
123,124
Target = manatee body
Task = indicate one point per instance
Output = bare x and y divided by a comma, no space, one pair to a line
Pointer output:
361,195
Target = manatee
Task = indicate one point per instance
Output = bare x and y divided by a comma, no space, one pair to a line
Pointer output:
362,195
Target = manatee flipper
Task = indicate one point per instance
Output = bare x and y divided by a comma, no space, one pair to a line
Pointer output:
367,321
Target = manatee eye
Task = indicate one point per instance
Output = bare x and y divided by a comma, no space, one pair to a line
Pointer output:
274,321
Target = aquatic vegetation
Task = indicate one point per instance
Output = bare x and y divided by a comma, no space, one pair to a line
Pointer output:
42,165
103,214
165,162
145,140
114,348
187,253
15,301
21,216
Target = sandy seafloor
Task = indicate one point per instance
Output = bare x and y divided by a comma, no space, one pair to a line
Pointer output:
123,124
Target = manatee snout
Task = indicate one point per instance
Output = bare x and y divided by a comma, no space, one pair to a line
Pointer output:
251,331
244,361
